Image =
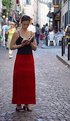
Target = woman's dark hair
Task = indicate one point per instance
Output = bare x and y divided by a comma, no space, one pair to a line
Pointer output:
25,18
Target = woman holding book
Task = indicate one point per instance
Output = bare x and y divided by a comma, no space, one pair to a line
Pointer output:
24,71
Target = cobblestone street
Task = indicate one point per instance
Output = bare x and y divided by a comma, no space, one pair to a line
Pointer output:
52,88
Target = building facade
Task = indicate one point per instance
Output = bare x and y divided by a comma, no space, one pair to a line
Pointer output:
30,8
43,10
65,13
56,14
36,9
61,15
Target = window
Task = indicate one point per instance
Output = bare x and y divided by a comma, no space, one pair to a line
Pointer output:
26,1
55,2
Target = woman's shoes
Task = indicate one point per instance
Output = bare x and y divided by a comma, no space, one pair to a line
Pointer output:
19,108
27,108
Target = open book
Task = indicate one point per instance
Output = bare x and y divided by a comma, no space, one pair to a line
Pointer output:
22,40
30,39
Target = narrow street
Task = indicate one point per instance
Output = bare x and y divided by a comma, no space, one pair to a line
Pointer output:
52,88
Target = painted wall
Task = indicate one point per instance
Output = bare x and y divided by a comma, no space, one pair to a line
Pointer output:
42,14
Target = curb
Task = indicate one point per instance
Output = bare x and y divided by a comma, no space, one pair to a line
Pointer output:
63,60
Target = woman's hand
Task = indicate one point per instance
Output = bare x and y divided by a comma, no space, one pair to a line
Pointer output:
33,45
25,42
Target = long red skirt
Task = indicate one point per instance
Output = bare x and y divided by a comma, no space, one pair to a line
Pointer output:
24,80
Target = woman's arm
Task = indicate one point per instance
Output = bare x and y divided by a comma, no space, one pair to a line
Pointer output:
32,42
33,45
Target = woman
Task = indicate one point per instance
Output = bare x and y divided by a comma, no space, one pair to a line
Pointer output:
24,73
11,31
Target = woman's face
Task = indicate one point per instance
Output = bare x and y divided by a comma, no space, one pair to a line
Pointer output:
12,25
25,24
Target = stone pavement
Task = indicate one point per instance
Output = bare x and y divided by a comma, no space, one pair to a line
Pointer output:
64,58
52,88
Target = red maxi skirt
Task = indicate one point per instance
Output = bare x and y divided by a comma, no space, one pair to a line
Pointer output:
24,80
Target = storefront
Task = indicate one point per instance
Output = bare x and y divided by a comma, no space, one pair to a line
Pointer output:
56,14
